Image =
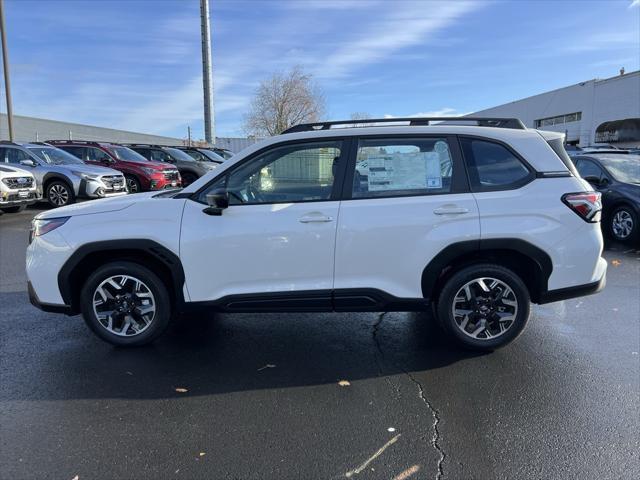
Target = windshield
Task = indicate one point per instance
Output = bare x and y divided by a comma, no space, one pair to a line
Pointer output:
55,156
226,154
211,156
178,154
624,168
126,154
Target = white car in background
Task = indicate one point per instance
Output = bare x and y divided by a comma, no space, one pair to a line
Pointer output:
17,189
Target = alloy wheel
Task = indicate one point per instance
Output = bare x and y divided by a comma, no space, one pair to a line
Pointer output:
132,185
485,308
622,224
58,195
124,305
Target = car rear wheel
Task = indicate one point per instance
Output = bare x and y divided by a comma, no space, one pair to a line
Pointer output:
125,304
483,307
623,224
133,184
59,194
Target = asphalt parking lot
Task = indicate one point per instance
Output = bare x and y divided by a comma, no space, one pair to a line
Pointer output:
366,396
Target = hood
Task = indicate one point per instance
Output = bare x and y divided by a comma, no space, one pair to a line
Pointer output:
6,171
151,164
97,206
91,169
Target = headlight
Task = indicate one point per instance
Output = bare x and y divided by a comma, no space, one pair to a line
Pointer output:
41,226
149,171
85,176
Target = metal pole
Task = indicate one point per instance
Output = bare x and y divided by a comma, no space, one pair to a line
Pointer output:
207,78
5,64
189,136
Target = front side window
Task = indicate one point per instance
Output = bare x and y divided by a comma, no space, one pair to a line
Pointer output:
14,155
96,155
493,166
288,174
401,167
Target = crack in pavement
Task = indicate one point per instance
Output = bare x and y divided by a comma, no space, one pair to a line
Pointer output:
435,438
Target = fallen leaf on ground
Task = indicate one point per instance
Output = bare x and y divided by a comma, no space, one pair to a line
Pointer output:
76,478
344,383
268,365
202,454
616,263
181,390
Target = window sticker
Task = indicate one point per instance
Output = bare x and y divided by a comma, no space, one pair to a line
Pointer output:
403,171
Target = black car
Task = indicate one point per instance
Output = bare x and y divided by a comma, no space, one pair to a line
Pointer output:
617,176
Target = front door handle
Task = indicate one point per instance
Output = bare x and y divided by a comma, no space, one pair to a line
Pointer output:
450,211
315,218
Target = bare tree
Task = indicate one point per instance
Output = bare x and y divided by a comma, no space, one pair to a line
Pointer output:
282,101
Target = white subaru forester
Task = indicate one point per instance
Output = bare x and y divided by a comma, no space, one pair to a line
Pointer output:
477,220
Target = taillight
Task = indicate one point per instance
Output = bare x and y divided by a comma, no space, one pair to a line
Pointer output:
586,204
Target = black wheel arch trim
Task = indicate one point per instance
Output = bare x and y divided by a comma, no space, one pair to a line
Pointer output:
50,177
432,272
158,251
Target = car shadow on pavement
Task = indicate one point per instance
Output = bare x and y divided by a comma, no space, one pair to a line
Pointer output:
54,357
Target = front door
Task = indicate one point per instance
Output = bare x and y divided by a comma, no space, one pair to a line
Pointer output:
276,236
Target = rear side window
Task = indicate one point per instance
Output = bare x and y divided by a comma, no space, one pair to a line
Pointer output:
493,166
396,167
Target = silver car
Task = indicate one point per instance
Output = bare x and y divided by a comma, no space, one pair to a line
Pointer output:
61,177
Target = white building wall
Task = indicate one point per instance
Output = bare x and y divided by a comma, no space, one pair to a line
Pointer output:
598,101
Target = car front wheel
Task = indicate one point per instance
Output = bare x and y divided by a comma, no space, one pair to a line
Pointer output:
59,194
623,224
133,184
125,304
483,306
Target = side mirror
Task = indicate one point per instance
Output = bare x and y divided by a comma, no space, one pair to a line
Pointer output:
593,180
217,200
28,163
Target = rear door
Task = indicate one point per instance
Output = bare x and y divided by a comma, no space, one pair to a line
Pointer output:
406,198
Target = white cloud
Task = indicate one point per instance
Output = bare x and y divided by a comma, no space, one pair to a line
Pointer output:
635,3
407,26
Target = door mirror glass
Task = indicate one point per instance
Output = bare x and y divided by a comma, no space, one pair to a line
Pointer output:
217,200
28,163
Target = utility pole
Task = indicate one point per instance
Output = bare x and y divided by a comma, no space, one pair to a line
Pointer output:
5,64
188,136
207,77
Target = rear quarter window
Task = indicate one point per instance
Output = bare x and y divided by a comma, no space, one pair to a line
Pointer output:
492,166
557,145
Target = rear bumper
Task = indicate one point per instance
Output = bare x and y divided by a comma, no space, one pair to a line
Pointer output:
573,292
47,307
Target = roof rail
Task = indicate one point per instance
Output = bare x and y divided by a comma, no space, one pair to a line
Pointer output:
72,142
413,121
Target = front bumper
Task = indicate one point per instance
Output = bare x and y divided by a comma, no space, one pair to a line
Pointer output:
47,307
11,199
100,189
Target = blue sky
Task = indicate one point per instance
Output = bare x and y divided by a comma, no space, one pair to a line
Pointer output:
135,65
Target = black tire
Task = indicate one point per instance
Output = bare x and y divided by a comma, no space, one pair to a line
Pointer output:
160,297
133,184
623,216
15,209
59,194
488,309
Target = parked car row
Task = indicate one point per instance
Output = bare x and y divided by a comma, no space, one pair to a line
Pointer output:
61,171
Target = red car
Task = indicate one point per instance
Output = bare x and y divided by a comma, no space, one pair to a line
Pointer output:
140,173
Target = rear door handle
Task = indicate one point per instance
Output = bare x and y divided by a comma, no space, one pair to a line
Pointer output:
450,211
315,218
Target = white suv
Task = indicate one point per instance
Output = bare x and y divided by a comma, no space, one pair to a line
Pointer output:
477,220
